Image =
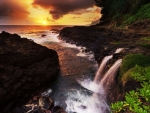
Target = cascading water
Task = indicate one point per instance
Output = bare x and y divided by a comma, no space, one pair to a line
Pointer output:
119,50
102,69
94,101
105,82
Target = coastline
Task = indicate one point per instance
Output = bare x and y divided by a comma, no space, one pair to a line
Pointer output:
103,40
100,40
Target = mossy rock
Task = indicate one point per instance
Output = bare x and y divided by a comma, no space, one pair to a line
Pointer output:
127,76
131,60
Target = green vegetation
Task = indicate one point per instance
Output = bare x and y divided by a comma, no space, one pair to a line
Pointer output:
145,38
131,60
142,13
124,12
137,68
145,42
116,43
137,101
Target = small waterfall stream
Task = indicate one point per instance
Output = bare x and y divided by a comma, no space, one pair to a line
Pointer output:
109,76
102,68
95,101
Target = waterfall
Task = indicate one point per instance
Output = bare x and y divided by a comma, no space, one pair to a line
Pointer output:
102,68
80,102
110,74
119,50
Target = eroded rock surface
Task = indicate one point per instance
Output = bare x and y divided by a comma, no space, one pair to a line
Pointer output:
26,68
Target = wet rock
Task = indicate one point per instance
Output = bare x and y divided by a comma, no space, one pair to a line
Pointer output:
45,103
58,109
82,107
17,110
26,68
43,35
132,47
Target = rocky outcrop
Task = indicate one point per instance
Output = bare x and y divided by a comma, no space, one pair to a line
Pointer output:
39,104
104,41
26,68
89,37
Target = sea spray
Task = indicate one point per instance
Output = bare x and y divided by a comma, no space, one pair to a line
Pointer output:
96,101
79,102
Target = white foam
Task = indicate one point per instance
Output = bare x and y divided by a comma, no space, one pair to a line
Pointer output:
92,86
119,50
80,102
37,37
47,92
64,44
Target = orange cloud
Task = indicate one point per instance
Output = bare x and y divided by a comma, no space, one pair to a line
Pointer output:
12,9
59,8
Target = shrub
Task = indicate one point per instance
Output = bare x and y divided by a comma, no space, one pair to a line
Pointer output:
137,101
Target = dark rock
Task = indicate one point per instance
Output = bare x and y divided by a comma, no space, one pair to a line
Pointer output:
45,103
131,85
131,47
57,109
26,68
43,35
82,107
17,110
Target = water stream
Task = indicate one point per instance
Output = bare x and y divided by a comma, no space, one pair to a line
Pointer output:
82,85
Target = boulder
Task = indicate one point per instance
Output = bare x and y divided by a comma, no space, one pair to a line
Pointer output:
26,68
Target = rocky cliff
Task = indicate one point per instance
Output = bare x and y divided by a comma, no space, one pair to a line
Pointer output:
26,68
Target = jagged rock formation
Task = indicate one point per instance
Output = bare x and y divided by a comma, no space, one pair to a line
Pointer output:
26,68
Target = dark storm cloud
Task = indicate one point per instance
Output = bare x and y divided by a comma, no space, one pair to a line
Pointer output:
12,9
58,8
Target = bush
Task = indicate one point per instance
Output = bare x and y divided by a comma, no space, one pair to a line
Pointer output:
137,101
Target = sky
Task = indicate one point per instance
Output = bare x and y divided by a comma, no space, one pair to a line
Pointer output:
48,12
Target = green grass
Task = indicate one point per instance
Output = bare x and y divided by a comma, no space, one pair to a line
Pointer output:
142,13
145,38
127,76
145,42
131,60
116,43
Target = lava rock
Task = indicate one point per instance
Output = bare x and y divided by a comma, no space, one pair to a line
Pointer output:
45,103
26,68
58,109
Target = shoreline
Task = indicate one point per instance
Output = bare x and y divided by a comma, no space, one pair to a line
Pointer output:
103,41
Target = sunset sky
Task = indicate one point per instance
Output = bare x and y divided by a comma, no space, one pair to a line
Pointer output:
48,12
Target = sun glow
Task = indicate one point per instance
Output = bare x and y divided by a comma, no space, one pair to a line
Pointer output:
44,23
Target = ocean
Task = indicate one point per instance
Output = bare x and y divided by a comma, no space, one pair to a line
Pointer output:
75,66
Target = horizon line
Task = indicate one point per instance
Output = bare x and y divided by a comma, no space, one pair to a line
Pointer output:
41,25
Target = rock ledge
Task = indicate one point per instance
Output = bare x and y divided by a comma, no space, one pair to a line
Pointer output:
26,68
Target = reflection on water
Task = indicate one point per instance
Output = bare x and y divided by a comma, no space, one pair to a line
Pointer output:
73,67
70,63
